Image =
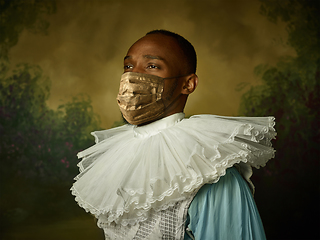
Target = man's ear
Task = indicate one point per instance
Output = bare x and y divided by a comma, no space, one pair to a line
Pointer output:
189,84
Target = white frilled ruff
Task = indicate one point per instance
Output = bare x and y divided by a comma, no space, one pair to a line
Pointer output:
132,170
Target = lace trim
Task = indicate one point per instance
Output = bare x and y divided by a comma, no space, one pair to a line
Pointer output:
108,215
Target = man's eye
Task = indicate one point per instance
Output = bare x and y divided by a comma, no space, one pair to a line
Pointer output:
126,67
152,66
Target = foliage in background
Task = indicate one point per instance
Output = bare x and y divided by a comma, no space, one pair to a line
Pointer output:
38,145
290,91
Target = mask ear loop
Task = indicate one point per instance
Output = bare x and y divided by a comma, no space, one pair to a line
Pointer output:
166,107
172,102
180,76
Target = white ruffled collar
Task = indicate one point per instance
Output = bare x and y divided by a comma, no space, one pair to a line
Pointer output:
133,170
156,127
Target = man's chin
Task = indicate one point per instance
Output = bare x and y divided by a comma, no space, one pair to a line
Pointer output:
140,124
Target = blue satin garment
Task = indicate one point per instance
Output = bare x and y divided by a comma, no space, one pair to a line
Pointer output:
225,211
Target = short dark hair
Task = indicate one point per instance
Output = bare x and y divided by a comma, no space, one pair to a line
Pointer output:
185,46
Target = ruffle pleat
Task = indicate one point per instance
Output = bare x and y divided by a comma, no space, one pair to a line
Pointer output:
131,170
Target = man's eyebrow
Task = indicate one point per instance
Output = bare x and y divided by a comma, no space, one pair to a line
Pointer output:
146,56
153,57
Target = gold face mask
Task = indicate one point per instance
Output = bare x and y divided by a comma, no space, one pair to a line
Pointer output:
140,97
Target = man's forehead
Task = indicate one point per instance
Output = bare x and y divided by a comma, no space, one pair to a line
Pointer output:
157,43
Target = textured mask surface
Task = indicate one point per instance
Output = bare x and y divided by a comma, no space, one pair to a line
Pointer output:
140,97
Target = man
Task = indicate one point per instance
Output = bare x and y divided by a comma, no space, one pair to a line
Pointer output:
160,54
165,177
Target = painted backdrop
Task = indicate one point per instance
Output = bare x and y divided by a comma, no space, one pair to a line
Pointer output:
60,67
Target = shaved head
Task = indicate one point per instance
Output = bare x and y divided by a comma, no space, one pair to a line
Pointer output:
190,56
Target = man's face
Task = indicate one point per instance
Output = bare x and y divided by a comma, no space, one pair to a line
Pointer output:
158,55
155,54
